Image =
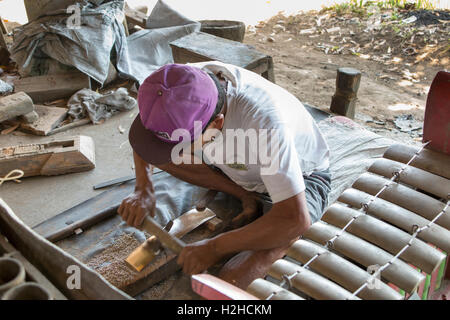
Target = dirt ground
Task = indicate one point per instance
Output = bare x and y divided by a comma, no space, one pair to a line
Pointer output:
397,66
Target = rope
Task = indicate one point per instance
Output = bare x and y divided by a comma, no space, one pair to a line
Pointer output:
365,208
14,175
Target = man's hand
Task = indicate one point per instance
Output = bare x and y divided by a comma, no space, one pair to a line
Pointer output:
198,257
251,210
137,206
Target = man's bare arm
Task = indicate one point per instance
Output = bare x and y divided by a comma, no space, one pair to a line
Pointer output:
277,229
286,221
203,176
141,202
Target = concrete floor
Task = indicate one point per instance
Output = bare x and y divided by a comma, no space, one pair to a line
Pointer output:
37,199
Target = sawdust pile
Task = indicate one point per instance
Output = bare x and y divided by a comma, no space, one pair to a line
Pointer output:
159,290
110,263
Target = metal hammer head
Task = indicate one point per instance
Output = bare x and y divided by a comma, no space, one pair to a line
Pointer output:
144,254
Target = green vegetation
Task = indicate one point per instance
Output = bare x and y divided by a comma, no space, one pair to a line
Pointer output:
360,7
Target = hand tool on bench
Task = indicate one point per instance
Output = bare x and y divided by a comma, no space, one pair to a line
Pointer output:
162,237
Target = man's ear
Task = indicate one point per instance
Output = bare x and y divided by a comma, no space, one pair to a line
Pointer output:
217,123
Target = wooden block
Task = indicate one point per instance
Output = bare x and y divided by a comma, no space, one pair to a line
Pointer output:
200,46
15,105
347,85
135,17
54,157
33,274
53,87
214,224
49,118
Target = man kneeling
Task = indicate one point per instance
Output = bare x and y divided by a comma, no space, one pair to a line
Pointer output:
225,128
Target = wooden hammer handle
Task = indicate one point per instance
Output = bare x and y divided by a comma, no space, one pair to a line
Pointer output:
166,239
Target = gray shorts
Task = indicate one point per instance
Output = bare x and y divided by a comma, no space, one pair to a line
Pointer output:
318,186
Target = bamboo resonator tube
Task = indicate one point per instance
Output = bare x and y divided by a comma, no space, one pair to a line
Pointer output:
399,217
415,177
341,271
263,289
366,254
405,197
308,282
385,236
376,231
428,160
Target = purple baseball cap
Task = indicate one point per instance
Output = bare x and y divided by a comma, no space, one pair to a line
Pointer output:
171,98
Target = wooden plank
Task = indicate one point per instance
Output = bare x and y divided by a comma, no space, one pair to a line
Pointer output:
215,224
71,125
52,87
213,288
399,217
200,46
135,17
49,118
3,41
3,26
14,105
85,214
54,157
54,262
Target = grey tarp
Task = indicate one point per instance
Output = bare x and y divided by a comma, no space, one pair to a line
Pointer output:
47,45
99,106
149,48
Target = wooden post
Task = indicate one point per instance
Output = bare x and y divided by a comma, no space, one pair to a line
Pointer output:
347,85
3,30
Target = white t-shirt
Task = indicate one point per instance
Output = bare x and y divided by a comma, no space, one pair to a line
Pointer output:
255,103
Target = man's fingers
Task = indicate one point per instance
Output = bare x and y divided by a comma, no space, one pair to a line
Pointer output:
153,208
125,212
139,219
180,260
130,217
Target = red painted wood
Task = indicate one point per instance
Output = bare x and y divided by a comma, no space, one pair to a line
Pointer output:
434,276
437,114
421,287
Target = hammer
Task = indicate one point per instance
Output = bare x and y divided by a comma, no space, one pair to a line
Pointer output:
145,253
